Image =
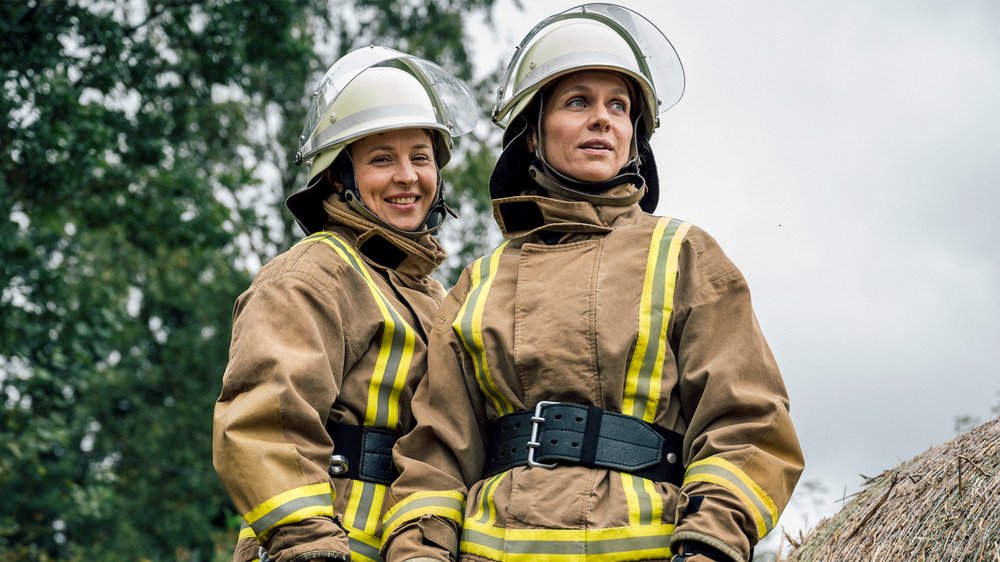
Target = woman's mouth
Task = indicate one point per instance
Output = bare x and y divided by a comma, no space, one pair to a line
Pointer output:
596,144
402,200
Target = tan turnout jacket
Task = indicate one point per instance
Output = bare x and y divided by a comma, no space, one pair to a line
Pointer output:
622,310
333,329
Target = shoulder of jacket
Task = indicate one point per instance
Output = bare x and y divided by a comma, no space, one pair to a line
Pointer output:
703,253
308,258
700,258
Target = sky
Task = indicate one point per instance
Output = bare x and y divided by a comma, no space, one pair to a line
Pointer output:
846,155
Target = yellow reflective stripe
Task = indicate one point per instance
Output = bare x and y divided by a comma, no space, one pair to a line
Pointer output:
567,545
642,383
395,349
364,546
716,470
656,503
246,533
469,327
448,505
295,505
364,506
486,512
645,507
631,499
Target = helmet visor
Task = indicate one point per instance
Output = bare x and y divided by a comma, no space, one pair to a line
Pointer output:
655,56
454,107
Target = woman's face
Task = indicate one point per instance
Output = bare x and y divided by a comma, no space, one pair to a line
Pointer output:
396,175
586,127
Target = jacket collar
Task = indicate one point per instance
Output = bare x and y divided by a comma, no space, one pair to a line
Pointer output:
383,249
523,215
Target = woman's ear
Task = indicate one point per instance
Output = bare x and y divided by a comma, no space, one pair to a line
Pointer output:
531,140
333,179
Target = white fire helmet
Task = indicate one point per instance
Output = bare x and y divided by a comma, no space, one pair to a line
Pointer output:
593,37
373,90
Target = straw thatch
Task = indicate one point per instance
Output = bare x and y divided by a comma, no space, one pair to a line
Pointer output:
942,505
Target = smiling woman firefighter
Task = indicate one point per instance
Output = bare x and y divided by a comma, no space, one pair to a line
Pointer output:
597,386
330,339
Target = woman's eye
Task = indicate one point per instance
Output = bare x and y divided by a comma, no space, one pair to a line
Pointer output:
619,106
421,158
381,160
575,102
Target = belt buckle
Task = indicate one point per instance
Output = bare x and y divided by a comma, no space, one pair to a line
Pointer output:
536,422
338,465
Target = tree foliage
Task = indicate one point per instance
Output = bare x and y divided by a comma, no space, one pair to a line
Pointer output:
145,150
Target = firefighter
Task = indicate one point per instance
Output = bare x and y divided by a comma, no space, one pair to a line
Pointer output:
598,387
330,338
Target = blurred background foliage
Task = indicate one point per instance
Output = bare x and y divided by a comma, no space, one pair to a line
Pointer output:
145,151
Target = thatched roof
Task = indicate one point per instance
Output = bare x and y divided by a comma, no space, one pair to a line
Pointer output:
942,505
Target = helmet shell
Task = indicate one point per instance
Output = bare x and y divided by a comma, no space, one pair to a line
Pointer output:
373,90
593,37
377,100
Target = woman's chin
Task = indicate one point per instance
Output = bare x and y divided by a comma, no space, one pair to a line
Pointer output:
405,225
591,176
592,172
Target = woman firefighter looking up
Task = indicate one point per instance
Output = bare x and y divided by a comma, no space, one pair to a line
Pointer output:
598,387
330,339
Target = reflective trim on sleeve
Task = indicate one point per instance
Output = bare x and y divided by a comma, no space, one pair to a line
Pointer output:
469,327
642,382
447,505
716,470
395,349
246,532
364,547
297,504
648,542
645,506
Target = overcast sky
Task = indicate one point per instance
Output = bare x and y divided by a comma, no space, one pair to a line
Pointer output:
846,155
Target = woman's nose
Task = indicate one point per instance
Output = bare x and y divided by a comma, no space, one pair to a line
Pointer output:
405,174
600,118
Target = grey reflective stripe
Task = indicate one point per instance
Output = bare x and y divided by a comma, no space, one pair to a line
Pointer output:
366,550
385,392
324,138
469,325
651,348
423,503
656,319
391,371
556,547
486,499
644,499
365,504
267,521
765,512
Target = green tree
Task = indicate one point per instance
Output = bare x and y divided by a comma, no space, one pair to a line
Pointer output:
145,150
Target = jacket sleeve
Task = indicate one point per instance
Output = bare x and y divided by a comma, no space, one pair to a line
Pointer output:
442,456
270,446
742,455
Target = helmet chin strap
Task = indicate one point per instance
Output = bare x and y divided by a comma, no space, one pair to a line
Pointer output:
432,220
555,181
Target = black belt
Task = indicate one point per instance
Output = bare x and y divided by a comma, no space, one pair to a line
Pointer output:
560,432
362,453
